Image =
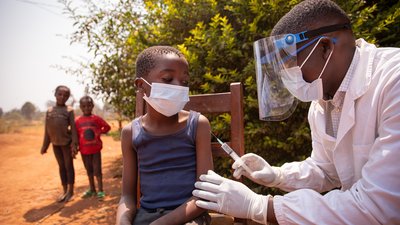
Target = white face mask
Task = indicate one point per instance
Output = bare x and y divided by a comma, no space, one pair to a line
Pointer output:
301,89
167,99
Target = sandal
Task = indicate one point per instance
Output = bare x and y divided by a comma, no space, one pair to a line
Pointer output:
61,198
88,194
101,194
68,196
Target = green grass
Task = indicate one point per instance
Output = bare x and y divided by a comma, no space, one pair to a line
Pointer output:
116,135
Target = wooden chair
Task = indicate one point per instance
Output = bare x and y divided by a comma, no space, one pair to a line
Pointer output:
214,104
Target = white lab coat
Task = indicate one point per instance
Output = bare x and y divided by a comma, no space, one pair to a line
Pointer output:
363,163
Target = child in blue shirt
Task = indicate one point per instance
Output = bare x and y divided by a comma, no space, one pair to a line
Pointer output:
168,147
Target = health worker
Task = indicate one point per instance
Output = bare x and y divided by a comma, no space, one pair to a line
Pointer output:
354,116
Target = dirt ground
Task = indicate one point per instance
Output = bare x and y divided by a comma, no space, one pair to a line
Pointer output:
30,183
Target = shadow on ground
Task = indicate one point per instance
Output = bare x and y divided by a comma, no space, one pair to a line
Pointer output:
83,211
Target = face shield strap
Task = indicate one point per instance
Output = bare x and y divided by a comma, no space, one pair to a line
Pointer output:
305,35
291,39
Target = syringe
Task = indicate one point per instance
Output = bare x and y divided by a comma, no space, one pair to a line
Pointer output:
233,154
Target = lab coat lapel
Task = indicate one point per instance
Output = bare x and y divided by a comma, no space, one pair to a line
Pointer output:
358,86
346,118
344,142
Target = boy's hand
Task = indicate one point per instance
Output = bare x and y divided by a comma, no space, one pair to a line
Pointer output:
43,151
74,151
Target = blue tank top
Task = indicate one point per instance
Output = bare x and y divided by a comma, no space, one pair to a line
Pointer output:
167,164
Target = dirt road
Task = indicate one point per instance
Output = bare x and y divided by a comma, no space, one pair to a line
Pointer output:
30,184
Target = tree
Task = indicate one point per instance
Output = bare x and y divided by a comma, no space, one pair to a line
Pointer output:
106,32
1,112
216,38
50,103
28,110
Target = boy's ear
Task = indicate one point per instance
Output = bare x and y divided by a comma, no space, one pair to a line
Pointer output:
139,84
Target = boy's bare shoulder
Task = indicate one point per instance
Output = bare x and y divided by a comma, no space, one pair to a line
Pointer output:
127,128
203,119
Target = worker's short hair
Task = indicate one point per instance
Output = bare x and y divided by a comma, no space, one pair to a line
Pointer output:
147,59
304,14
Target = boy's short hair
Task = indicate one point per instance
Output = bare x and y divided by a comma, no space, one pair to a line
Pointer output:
87,98
146,60
300,17
62,86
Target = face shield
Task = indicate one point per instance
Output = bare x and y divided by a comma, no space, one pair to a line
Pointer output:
273,55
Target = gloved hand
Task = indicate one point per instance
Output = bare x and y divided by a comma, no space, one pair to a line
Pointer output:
262,172
230,197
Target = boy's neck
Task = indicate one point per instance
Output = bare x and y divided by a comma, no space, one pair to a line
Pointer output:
87,114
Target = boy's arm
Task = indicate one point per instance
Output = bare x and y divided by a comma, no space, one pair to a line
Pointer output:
104,126
46,139
74,132
127,204
189,211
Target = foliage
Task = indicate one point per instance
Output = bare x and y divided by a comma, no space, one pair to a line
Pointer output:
375,21
216,37
116,135
28,110
12,121
106,33
8,126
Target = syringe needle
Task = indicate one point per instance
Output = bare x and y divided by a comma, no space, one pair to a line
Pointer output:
233,154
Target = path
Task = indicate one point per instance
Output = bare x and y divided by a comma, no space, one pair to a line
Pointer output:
29,183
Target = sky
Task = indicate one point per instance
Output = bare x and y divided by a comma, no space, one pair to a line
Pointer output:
33,41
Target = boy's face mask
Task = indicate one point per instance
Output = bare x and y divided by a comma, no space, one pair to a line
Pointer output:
167,99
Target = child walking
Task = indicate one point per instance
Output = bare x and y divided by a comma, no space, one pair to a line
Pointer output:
60,131
167,148
90,127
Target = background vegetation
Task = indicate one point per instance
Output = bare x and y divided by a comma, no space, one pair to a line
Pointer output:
216,37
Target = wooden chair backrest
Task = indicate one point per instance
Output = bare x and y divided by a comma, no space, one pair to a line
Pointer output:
214,104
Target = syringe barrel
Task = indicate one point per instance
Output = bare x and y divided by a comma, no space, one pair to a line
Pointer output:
235,156
227,148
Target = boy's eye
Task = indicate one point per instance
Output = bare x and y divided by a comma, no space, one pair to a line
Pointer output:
167,80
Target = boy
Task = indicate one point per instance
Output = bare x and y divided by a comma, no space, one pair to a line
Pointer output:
90,127
61,132
168,147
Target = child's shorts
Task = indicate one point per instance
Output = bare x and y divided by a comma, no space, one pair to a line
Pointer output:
145,217
92,163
